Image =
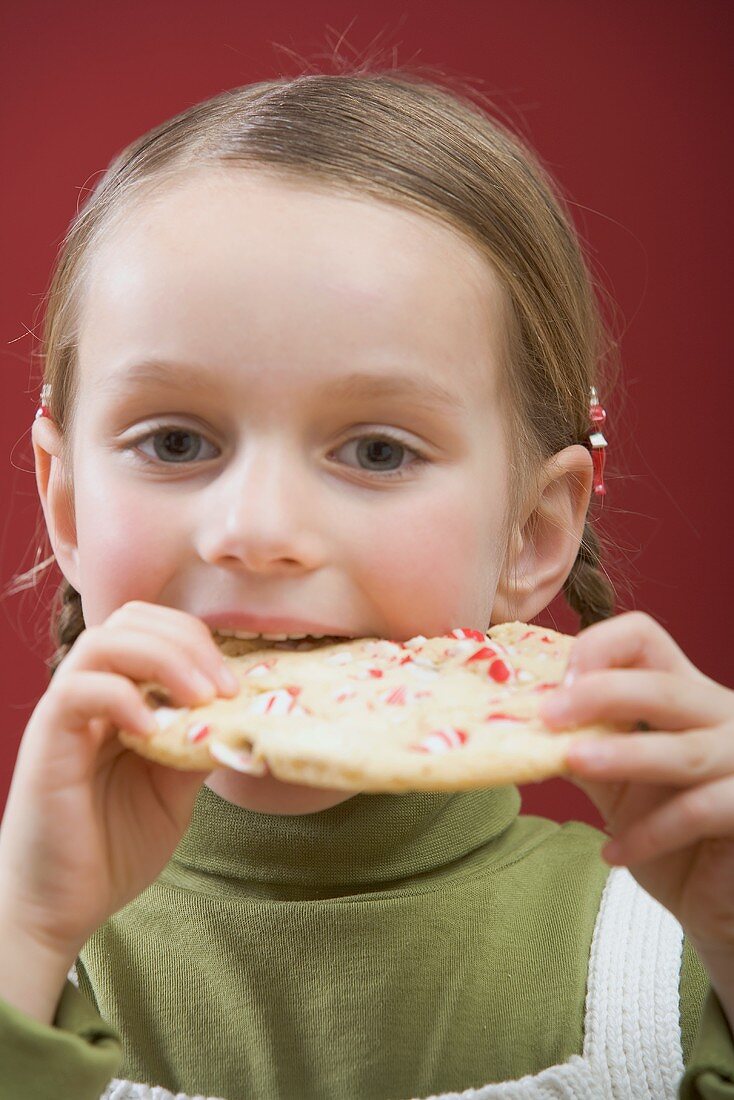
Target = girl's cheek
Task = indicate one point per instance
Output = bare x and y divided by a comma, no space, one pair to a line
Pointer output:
435,564
122,554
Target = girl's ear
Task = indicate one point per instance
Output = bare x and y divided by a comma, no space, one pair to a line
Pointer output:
57,499
545,544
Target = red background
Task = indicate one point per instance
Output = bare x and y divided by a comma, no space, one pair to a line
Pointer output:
629,106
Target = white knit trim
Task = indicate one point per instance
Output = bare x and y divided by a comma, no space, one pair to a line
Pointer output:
128,1090
632,1037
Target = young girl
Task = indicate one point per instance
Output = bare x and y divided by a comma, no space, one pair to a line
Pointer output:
319,357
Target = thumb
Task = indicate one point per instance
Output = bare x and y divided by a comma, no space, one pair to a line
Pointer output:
178,790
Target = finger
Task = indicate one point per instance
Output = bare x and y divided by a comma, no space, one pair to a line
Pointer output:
183,630
75,702
671,759
141,656
631,640
138,611
664,700
705,812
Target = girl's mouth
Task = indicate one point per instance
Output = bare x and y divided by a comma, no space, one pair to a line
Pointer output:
280,641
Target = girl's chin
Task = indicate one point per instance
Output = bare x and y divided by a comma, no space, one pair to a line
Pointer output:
268,795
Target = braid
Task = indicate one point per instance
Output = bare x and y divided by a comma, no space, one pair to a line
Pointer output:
587,588
67,622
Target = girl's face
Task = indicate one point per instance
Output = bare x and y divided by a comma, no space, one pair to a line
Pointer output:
287,406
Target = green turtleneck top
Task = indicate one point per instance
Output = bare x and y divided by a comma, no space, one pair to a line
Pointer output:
392,946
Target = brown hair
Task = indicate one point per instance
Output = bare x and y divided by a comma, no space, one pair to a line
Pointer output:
405,139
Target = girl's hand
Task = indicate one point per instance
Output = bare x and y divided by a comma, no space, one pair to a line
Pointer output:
89,824
667,795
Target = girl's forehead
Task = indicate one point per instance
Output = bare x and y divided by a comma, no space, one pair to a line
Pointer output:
221,263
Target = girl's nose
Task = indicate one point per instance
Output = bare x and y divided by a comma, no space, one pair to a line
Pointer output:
261,512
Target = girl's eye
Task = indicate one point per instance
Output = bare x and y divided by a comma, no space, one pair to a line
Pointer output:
179,444
381,453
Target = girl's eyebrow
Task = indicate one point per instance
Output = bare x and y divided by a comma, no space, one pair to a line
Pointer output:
163,373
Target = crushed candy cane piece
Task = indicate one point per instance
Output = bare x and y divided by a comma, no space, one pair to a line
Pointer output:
366,673
462,647
423,671
486,653
401,696
260,669
340,657
383,647
342,694
442,740
198,732
499,671
165,716
279,701
466,632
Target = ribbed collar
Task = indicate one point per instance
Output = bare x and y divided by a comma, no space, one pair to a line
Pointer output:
370,842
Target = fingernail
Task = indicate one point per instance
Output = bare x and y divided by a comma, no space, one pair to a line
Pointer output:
149,722
569,678
556,705
228,680
201,685
591,752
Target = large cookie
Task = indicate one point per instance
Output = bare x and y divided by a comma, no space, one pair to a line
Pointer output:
369,714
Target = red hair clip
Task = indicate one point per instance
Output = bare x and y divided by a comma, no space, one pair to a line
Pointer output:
597,442
42,410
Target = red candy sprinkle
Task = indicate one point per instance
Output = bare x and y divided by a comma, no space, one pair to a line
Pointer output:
499,671
466,632
483,654
259,669
198,733
498,714
544,638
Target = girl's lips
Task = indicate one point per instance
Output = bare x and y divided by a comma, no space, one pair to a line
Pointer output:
270,624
